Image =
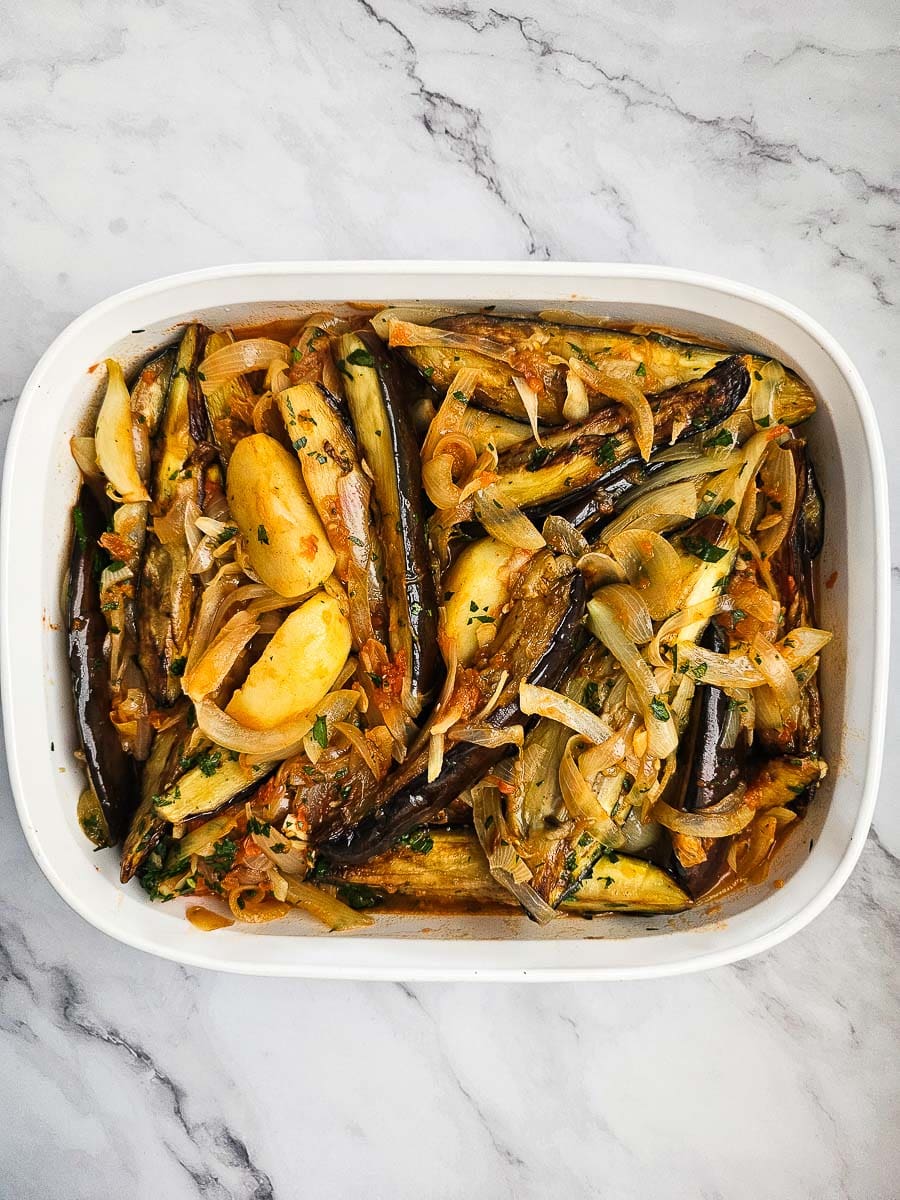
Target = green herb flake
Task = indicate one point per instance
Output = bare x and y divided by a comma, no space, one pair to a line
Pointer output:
723,438
418,840
606,455
659,709
342,367
641,369
377,680
210,763
359,896
460,396
361,358
178,665
721,509
428,372
320,731
703,549
299,443
262,535
756,375
296,354
78,520
537,458
581,356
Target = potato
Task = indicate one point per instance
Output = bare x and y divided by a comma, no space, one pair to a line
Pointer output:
271,507
479,583
299,665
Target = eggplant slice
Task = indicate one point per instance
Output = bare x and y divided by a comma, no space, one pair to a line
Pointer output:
110,770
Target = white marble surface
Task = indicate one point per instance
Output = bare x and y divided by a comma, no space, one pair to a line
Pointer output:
757,139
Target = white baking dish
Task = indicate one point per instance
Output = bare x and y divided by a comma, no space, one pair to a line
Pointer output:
39,488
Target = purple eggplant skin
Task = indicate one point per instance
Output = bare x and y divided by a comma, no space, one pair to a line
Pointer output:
407,555
110,770
408,799
713,770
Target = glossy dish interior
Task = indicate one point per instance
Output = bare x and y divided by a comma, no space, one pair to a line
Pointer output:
815,858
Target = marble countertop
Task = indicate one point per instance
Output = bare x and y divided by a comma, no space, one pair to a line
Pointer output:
143,138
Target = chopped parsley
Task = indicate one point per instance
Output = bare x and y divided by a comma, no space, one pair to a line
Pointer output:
659,709
296,354
80,532
606,455
703,549
320,731
418,840
723,438
581,356
460,396
641,369
262,535
210,763
377,680
361,358
537,458
428,372
178,665
359,896
299,443
263,828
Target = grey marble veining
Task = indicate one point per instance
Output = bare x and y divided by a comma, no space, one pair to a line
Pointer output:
759,142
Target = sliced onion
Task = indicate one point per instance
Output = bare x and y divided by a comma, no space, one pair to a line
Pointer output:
290,859
210,670
425,314
630,612
357,740
504,521
670,506
405,333
626,393
114,439
543,702
504,862
729,816
779,485
576,406
654,567
487,735
84,451
327,909
778,675
450,417
694,614
239,358
581,801
562,536
661,728
599,569
763,393
530,402
269,745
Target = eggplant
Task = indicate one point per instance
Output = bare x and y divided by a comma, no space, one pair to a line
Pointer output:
217,779
534,642
709,770
180,415
792,569
147,827
340,491
110,770
576,457
540,350
449,868
377,390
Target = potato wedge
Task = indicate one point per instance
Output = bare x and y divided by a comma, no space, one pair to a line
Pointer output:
475,591
299,665
286,541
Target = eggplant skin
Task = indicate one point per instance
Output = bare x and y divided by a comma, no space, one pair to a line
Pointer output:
713,772
540,350
110,770
407,798
600,450
405,542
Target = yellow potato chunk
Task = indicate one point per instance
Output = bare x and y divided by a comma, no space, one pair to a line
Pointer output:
286,542
479,581
299,665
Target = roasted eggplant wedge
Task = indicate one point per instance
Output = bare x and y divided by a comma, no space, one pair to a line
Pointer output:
539,351
110,770
578,457
377,397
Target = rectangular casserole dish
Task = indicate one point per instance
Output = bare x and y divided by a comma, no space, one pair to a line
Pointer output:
39,488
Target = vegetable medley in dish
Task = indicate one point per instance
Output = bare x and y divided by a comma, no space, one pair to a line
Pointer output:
424,608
